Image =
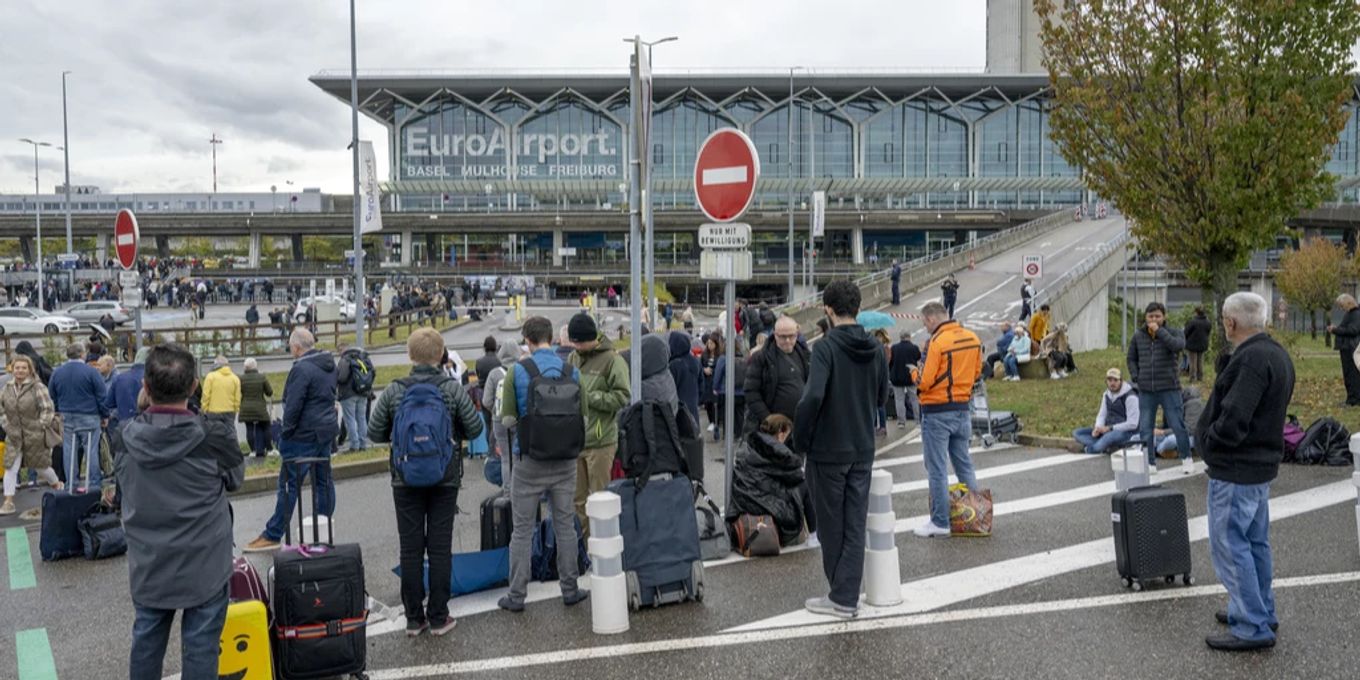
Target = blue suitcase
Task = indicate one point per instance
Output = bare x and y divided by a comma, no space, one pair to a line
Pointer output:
61,514
661,559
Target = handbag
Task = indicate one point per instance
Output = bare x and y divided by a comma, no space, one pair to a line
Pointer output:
101,533
756,535
970,512
53,436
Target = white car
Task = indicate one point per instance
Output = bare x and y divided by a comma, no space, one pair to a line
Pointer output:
346,307
92,312
25,321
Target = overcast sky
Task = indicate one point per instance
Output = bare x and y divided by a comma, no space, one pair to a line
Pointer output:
152,80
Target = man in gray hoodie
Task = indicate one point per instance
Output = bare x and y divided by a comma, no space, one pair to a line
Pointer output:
175,469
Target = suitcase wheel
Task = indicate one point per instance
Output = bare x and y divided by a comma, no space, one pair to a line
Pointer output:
696,574
1137,586
634,591
1128,582
1187,579
987,441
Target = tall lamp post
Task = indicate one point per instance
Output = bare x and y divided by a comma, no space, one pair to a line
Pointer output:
37,217
649,242
360,304
790,179
66,149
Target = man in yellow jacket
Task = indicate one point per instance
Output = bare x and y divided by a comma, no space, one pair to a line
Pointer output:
953,363
221,389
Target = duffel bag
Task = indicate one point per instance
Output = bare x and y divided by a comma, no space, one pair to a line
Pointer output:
101,533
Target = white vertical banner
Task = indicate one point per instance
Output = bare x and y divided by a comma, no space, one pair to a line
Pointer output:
818,214
370,197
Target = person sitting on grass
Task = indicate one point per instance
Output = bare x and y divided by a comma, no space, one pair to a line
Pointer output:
1117,422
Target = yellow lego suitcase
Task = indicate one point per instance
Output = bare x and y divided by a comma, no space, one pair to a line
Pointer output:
245,651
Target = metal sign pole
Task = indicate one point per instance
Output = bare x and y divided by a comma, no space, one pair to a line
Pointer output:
729,389
359,303
634,242
137,323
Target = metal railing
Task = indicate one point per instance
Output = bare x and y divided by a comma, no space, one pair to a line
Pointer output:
1018,233
1087,264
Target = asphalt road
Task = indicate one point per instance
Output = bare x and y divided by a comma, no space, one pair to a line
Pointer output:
1040,598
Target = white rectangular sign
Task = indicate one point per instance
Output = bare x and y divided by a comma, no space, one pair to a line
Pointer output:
129,279
725,265
349,254
67,257
132,296
730,235
370,196
1032,266
567,252
818,214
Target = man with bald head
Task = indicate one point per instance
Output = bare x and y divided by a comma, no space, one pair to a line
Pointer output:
776,375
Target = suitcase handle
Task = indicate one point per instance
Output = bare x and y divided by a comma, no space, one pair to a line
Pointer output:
302,527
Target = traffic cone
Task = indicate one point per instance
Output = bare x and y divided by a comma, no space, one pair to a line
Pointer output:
971,264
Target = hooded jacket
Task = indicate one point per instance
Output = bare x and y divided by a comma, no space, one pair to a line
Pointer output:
508,354
44,369
657,383
605,390
174,470
309,399
343,380
221,391
1152,360
847,382
767,480
684,371
121,398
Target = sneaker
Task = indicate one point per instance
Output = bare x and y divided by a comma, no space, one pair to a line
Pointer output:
929,530
823,606
261,544
712,427
812,541
510,605
415,628
1055,376
1062,373
901,424
576,597
1188,466
443,629
7,508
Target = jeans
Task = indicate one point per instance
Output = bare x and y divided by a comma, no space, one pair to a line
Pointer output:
949,305
904,395
592,474
946,436
1170,401
1114,439
200,639
840,496
425,528
530,479
257,435
896,294
1167,442
1239,542
356,422
881,418
1012,365
1196,365
81,430
290,484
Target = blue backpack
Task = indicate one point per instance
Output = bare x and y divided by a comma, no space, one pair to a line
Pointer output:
422,434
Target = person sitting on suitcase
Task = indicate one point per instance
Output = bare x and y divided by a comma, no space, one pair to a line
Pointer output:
541,397
425,488
1241,441
174,469
1117,421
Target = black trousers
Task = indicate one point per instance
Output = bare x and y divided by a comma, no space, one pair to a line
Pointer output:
257,436
840,496
425,528
1351,375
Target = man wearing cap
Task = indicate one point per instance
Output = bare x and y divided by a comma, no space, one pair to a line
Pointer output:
1117,422
605,390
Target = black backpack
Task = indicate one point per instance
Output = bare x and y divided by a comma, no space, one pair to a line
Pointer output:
361,373
767,317
552,427
1327,442
649,442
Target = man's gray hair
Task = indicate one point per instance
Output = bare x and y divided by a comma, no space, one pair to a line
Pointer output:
934,310
220,361
75,350
302,339
1247,309
1345,301
250,364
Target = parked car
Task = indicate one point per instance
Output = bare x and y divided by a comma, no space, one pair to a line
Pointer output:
346,307
92,312
25,321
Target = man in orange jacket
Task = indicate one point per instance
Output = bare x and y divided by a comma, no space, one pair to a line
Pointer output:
953,362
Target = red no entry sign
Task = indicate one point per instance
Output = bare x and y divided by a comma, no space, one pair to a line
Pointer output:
125,236
725,174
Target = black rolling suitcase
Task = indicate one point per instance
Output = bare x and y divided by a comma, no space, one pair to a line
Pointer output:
1151,535
497,522
662,561
319,601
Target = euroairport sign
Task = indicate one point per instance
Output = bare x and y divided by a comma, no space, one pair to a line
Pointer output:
458,154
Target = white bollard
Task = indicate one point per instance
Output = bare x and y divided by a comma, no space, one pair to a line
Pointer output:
882,570
608,587
1355,478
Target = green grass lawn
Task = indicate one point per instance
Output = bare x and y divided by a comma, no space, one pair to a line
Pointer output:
271,465
1056,407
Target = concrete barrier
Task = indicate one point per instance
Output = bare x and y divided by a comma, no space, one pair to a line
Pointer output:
1081,298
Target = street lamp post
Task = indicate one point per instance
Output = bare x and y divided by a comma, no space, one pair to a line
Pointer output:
66,152
649,257
360,304
37,219
790,179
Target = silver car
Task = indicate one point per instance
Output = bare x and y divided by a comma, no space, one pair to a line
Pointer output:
26,321
92,312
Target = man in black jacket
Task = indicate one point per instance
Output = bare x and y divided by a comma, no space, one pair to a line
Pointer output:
905,356
1152,369
776,375
1347,337
834,428
1197,332
1241,441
